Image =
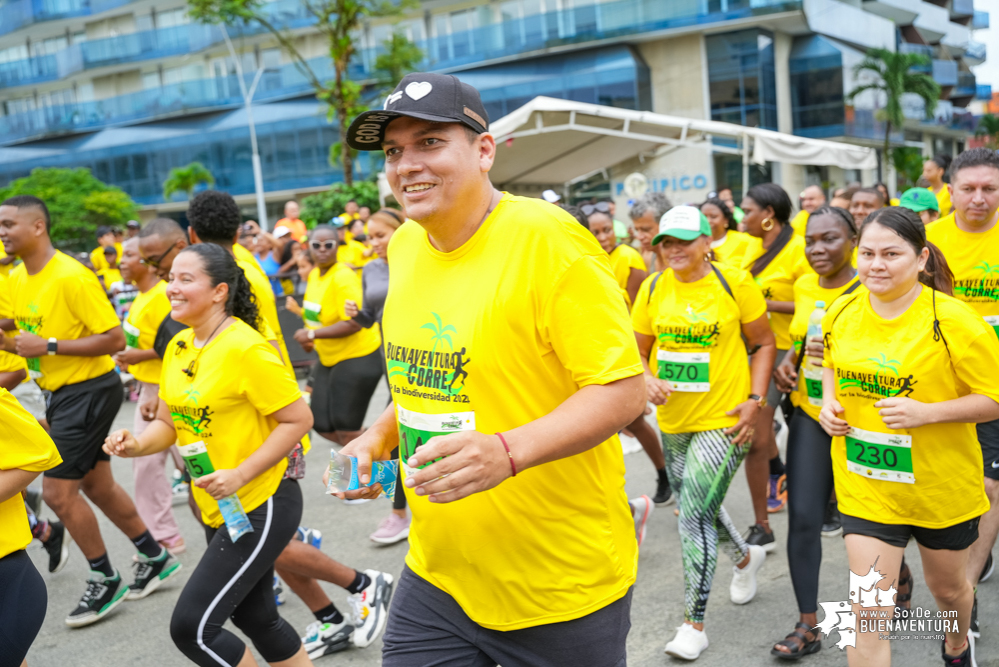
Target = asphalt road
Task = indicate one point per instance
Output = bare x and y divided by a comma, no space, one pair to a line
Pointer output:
137,634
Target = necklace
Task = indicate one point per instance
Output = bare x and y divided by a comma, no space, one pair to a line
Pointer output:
192,367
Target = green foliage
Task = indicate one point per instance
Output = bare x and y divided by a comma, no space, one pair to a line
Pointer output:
320,208
894,77
908,162
988,127
77,203
185,179
401,57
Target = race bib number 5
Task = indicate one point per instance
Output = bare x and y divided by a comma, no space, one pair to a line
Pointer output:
131,335
993,321
812,377
415,428
686,371
196,459
880,456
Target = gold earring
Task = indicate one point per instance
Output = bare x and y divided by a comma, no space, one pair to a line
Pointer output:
767,224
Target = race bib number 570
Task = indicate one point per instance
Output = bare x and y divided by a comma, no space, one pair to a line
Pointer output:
686,371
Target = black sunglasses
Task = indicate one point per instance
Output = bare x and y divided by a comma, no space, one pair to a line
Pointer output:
600,206
329,245
155,263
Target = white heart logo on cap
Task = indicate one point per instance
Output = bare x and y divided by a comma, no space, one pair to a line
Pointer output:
419,90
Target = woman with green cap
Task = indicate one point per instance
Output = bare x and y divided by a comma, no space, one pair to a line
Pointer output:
689,322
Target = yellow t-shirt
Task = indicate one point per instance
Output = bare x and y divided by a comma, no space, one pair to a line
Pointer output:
352,252
110,277
974,260
64,301
26,446
799,222
269,325
623,259
699,348
4,268
325,301
238,381
9,362
489,339
943,200
732,248
148,311
930,476
777,280
97,259
808,395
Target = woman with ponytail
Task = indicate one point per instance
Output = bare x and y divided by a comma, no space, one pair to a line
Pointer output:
236,413
934,171
907,375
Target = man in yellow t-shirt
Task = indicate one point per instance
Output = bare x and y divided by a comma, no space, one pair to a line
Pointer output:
6,263
969,239
67,332
105,238
153,494
506,341
811,198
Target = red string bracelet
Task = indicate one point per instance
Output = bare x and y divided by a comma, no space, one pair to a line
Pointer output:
513,466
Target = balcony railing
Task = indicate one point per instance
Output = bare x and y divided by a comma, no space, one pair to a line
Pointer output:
455,51
980,20
966,85
945,72
983,91
16,14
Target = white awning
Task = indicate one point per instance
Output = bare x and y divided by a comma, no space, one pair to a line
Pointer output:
549,141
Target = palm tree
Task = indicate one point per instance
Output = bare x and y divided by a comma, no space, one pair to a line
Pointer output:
185,179
895,77
988,127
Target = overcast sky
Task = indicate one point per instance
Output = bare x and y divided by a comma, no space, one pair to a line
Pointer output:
988,72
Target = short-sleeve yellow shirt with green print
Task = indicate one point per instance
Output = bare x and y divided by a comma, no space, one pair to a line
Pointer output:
974,259
777,280
485,339
699,348
623,259
148,311
325,304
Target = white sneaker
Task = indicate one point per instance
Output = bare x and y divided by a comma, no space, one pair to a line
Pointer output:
324,638
371,608
743,588
629,444
641,510
689,643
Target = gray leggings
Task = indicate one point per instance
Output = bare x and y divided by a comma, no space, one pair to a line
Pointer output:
700,466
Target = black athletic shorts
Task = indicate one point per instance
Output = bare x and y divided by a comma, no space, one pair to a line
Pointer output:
427,627
341,393
953,538
988,437
80,417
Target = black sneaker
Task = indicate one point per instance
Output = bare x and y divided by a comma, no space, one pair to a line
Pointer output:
987,570
102,595
761,537
966,659
57,546
664,494
34,499
975,632
832,526
151,572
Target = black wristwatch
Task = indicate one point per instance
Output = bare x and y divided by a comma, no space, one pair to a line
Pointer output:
53,346
760,400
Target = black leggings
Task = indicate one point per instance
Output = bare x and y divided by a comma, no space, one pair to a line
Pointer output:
809,485
23,599
341,393
236,580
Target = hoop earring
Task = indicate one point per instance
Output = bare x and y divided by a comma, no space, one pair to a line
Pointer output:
768,221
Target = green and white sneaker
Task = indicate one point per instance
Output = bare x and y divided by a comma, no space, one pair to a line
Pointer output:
151,572
102,595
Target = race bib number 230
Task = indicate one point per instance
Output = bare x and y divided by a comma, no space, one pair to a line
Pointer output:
881,456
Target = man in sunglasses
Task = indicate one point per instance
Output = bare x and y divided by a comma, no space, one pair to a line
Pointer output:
67,332
512,366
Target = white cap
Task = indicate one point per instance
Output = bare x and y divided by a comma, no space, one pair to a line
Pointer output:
280,231
550,196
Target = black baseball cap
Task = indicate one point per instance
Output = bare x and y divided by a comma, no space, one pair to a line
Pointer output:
440,98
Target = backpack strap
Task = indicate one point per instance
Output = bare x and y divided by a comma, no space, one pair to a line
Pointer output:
652,288
937,331
721,279
825,335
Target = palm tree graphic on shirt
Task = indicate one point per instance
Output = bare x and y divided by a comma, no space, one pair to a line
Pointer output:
884,363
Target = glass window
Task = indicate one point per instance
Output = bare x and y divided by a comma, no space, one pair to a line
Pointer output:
270,58
12,53
172,18
741,80
140,166
150,80
144,22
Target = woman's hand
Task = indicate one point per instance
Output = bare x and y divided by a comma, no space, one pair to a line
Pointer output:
128,357
743,429
829,419
121,443
658,390
350,307
460,464
221,483
815,348
302,338
785,376
900,413
292,306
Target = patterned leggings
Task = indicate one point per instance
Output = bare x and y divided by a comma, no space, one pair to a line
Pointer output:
700,466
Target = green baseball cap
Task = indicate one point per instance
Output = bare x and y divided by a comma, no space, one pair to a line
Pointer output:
919,199
683,222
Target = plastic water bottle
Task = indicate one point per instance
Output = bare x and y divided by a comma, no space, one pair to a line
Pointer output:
199,464
344,475
815,331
